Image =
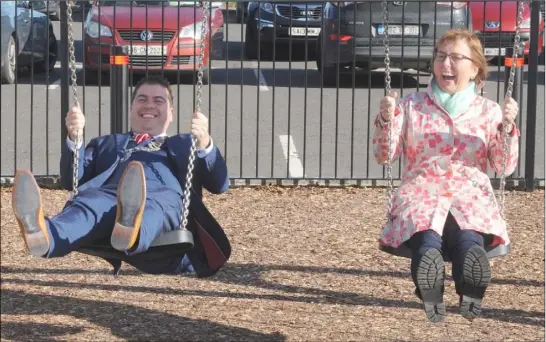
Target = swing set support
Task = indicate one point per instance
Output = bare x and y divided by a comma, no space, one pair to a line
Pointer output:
119,89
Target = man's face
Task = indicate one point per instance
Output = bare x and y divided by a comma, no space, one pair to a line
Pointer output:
151,111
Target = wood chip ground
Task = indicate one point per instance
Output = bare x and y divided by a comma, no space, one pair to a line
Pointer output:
305,267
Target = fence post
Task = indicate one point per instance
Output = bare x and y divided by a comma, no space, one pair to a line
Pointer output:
63,50
532,79
119,89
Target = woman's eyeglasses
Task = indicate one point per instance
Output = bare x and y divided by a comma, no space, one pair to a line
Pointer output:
453,57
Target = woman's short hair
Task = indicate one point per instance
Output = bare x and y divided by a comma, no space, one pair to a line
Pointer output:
475,46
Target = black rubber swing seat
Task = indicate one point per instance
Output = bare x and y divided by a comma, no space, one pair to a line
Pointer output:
405,252
168,245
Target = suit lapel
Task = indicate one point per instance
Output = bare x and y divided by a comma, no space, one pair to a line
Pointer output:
110,157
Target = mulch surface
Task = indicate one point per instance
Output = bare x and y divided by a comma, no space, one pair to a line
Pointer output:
305,266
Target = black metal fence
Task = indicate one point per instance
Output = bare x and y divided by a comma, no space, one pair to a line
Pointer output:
291,90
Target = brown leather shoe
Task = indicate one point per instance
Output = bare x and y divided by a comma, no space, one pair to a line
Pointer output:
27,207
131,201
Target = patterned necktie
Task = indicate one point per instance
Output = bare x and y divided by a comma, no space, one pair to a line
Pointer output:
140,137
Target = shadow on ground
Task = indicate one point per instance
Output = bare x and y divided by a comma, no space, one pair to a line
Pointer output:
123,320
251,275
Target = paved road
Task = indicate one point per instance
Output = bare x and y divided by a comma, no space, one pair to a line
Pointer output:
270,119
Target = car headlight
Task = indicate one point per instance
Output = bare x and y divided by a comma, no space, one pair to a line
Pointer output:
266,6
96,30
526,23
191,31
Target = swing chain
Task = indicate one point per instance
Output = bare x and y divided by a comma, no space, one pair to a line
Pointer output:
388,93
72,66
509,89
193,150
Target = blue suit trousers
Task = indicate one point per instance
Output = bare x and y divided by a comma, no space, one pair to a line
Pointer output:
90,216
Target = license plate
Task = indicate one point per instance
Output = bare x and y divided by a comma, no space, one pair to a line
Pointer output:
222,4
303,31
494,52
151,50
396,30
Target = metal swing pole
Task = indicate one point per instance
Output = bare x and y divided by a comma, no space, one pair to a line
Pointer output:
531,119
65,73
119,89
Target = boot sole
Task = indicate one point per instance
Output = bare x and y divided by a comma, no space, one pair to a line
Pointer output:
477,276
430,280
131,201
27,207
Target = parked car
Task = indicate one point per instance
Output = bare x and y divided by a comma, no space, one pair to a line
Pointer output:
27,38
280,22
495,23
352,34
52,7
160,36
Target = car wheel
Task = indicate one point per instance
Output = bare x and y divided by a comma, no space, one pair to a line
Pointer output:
328,73
194,76
92,77
52,52
206,76
10,62
329,76
239,14
251,47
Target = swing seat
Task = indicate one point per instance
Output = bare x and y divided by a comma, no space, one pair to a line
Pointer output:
405,252
170,244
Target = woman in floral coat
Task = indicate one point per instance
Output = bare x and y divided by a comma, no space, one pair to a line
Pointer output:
447,136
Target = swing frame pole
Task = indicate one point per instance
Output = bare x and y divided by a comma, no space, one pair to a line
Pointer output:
531,119
65,72
119,89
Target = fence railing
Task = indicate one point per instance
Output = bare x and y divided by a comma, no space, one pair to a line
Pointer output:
291,90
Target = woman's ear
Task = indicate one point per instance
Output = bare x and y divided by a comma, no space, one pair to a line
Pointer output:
475,71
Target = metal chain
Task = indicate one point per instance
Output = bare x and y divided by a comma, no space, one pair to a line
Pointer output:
388,93
72,66
189,174
509,89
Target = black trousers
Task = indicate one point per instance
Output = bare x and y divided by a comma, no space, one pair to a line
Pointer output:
454,243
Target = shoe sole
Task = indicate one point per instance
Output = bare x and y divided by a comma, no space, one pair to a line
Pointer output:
27,207
477,276
430,280
131,201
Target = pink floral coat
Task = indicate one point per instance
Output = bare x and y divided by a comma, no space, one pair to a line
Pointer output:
444,166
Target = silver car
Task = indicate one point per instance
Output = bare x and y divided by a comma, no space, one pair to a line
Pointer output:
27,39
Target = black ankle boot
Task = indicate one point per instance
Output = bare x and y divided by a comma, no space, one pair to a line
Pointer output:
476,278
430,284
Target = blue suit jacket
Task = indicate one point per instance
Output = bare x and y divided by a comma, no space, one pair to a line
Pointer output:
98,160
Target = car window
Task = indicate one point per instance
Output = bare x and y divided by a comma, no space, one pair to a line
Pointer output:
137,3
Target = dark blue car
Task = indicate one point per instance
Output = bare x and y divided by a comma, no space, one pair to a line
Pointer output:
281,23
27,38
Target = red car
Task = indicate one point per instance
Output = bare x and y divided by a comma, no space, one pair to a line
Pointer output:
160,35
495,23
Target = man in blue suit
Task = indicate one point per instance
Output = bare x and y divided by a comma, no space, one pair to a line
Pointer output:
131,189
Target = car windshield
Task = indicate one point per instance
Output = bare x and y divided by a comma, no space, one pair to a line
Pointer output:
142,3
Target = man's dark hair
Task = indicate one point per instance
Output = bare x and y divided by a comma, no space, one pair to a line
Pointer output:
153,80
